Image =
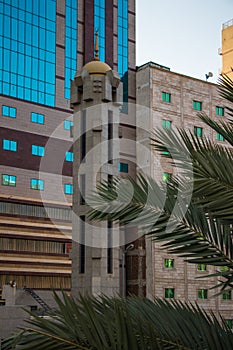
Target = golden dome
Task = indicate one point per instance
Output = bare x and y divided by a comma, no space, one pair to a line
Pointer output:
97,67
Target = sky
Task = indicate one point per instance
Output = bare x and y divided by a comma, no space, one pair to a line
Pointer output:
184,35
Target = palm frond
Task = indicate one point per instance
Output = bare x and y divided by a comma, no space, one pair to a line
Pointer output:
134,323
206,165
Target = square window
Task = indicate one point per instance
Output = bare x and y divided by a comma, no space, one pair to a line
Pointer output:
8,180
198,131
166,97
169,293
201,267
220,111
169,263
68,124
226,295
37,118
166,124
38,150
202,294
9,145
197,105
8,111
68,189
69,156
229,323
167,177
166,153
37,184
123,167
219,137
224,269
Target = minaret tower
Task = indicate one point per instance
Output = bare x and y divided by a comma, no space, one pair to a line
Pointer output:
96,97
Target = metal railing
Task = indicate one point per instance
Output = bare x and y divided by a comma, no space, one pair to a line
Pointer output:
227,24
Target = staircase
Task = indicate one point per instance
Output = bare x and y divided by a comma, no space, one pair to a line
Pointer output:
39,300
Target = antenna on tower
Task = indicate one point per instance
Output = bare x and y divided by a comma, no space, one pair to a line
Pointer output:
97,46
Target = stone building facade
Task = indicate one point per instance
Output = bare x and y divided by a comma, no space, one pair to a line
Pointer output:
173,100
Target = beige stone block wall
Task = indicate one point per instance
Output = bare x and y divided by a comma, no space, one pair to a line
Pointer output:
183,89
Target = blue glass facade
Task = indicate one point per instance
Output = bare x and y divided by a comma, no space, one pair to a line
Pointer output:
99,25
123,47
28,50
70,44
122,37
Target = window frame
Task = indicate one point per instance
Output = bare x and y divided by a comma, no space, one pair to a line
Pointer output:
166,97
169,261
166,124
197,105
227,295
167,290
70,186
9,109
9,183
220,111
36,118
219,137
196,130
67,124
13,145
202,294
166,177
123,167
203,267
38,184
38,150
69,156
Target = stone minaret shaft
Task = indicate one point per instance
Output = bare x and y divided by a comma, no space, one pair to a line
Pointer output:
96,97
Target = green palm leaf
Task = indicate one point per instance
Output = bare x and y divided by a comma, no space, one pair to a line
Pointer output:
122,324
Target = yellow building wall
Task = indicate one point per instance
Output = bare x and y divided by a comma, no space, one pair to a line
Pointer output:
227,48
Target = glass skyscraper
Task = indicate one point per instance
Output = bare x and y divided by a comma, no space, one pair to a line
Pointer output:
42,44
28,45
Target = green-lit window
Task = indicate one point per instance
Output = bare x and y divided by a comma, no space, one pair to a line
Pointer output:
224,268
68,189
169,263
229,323
123,167
197,105
165,153
169,293
38,150
68,124
166,97
167,177
9,145
202,294
201,267
219,137
220,111
8,180
198,131
8,111
69,156
166,124
37,184
226,295
37,118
